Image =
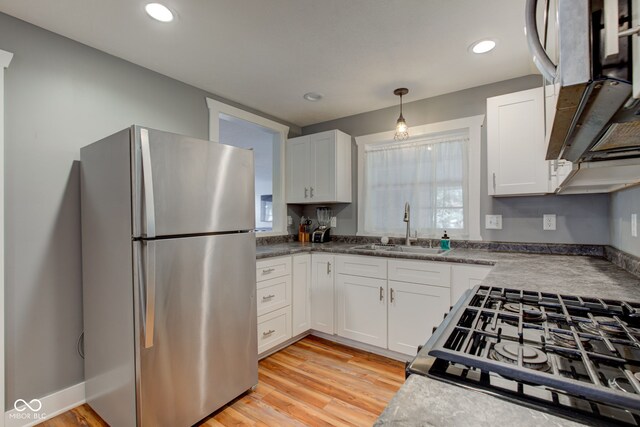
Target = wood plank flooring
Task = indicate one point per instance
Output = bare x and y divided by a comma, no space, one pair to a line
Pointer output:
313,382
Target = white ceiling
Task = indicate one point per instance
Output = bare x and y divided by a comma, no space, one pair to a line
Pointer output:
267,53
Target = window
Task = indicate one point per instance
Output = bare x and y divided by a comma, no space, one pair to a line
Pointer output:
431,171
232,126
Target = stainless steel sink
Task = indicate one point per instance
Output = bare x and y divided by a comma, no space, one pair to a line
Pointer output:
374,247
403,249
417,250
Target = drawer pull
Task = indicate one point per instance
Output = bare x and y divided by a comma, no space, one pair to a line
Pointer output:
391,295
381,293
268,297
268,270
269,332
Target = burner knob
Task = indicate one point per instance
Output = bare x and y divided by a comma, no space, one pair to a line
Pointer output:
419,348
433,331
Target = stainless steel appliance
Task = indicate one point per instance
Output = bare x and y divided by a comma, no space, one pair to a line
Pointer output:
588,52
573,356
168,277
323,232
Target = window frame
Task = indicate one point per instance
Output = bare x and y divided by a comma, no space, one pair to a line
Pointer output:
279,206
473,126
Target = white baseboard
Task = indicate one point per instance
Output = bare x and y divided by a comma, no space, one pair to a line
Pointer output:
51,405
364,347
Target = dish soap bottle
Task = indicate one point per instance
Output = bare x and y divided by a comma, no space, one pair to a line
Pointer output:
445,242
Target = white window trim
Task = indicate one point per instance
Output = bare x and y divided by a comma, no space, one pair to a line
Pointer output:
215,109
473,125
5,60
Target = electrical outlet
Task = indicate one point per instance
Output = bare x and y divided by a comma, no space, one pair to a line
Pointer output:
289,220
334,221
493,222
549,221
634,225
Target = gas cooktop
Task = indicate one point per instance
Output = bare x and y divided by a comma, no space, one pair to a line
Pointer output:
570,355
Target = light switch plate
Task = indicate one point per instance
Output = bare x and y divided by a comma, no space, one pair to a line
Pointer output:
289,220
634,225
493,222
334,221
549,222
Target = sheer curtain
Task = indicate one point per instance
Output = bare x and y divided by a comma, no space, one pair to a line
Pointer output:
429,173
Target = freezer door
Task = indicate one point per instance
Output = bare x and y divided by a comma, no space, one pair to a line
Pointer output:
195,326
184,186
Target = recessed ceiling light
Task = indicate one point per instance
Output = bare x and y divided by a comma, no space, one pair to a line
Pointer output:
312,96
159,12
483,46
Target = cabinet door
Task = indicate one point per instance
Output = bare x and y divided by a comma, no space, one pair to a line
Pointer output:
322,314
414,310
301,304
298,170
516,146
322,167
465,277
361,306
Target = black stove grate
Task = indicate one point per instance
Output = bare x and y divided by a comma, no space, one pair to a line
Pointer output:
588,348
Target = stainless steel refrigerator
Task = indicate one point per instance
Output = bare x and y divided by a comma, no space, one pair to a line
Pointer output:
169,277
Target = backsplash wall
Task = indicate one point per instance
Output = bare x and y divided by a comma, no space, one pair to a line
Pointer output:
623,204
581,218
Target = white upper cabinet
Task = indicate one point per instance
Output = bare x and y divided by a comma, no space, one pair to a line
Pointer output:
516,144
319,168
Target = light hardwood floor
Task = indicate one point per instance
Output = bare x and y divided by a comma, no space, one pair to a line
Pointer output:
313,382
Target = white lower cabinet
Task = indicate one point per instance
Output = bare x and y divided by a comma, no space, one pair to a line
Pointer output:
361,305
322,293
465,277
414,310
274,328
301,303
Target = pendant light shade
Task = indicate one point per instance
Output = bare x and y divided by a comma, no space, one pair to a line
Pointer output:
402,130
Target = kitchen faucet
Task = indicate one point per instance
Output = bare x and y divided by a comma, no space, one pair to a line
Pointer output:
407,219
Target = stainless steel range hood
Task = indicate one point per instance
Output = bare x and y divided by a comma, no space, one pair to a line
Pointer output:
596,116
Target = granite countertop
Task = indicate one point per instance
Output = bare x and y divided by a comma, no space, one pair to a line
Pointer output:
567,274
424,401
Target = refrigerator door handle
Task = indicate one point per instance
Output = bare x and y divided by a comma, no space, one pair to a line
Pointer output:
149,296
147,184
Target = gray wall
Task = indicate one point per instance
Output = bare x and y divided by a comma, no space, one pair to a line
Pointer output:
60,96
580,219
623,204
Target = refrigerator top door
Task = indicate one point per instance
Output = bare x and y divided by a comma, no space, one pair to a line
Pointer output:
196,186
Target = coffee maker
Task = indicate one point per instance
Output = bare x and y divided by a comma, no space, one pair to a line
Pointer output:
323,232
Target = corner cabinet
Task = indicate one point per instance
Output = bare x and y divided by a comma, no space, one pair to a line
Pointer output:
319,168
301,294
322,298
516,146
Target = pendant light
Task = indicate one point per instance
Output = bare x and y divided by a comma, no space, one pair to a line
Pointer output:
401,126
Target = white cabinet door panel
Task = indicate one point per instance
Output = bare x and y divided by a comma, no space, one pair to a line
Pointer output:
273,294
322,293
365,266
362,309
274,328
465,277
273,267
301,294
425,272
322,167
414,310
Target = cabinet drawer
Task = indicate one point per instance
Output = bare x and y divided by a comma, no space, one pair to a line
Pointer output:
273,267
421,272
274,328
273,294
364,266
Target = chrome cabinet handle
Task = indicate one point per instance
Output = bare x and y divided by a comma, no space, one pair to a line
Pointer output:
306,191
542,60
311,192
328,268
268,297
391,294
494,181
268,270
381,293
269,332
